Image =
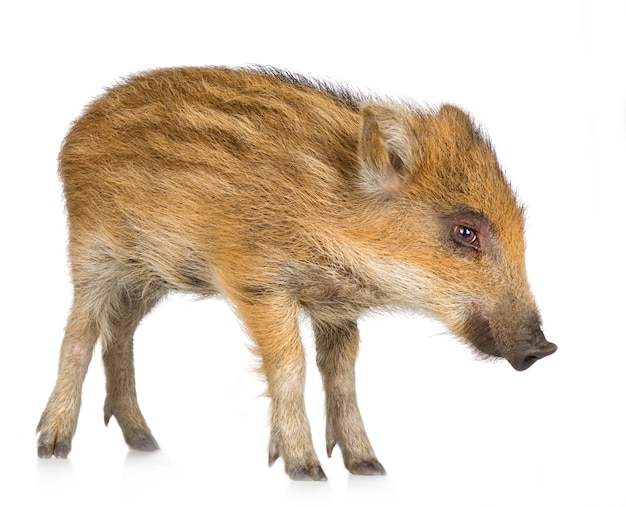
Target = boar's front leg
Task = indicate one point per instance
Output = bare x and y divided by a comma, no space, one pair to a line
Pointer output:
337,348
272,321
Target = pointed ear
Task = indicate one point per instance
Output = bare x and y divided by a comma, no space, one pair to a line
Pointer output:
386,149
461,118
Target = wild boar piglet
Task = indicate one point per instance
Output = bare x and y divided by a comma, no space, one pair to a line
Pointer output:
285,195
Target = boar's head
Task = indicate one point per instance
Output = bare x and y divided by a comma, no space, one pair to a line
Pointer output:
457,227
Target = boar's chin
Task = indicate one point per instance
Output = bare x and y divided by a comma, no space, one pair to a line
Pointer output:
477,331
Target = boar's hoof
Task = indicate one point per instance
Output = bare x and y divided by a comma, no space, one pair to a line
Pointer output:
145,442
311,473
50,446
524,359
59,451
370,467
137,436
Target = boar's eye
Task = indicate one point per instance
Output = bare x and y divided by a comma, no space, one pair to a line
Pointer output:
469,233
466,236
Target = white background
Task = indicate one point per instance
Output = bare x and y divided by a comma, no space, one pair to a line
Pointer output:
546,79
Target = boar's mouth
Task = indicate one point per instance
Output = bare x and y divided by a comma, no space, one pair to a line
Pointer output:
477,331
524,353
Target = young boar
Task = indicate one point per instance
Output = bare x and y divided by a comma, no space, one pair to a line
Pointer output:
284,195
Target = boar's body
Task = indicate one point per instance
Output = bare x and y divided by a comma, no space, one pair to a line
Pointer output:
282,194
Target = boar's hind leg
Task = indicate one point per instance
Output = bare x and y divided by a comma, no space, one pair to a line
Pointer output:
58,422
337,348
114,316
272,321
117,355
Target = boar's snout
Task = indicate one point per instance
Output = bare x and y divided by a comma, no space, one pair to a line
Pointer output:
523,349
529,353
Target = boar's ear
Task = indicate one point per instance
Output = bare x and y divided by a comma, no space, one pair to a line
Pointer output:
460,117
455,112
386,149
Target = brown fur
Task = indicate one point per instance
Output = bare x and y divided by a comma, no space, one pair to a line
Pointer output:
281,194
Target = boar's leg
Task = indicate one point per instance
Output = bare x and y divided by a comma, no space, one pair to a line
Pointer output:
337,348
117,355
58,422
272,321
112,315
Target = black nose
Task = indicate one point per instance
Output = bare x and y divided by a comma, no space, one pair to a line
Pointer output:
530,353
